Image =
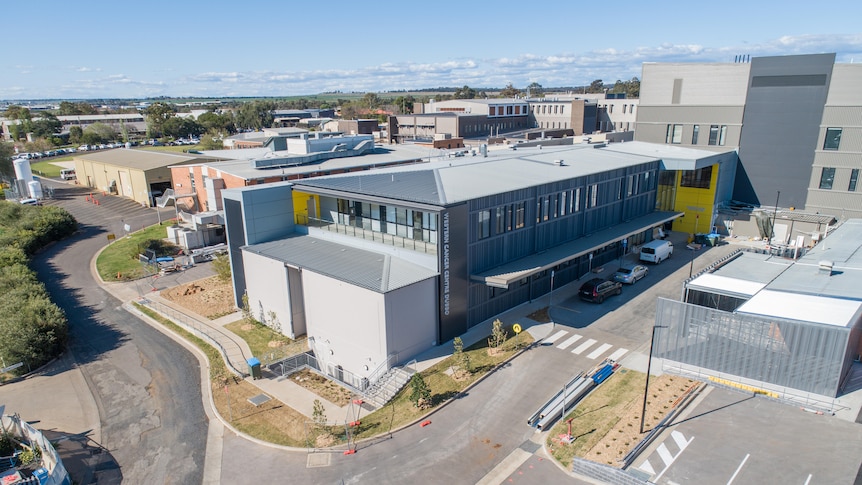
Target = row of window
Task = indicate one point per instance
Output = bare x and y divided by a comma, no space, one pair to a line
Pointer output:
553,124
507,110
506,218
717,134
610,108
407,223
609,126
487,127
549,109
827,178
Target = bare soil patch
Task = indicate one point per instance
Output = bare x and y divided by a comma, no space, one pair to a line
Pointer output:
209,297
322,386
540,315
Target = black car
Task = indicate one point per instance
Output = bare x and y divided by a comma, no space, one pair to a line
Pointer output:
597,289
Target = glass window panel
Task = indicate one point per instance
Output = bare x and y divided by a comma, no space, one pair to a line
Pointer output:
827,176
854,176
833,138
694,133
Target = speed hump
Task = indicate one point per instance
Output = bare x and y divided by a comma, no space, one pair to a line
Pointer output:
516,328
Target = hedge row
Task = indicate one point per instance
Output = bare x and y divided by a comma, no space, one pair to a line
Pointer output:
33,330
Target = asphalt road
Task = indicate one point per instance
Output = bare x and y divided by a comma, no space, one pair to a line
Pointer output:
146,386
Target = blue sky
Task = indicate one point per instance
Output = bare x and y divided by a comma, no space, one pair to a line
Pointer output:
117,49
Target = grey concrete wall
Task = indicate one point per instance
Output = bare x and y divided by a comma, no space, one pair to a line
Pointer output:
411,319
266,284
783,110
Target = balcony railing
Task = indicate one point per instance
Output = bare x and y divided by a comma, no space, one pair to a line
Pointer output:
367,234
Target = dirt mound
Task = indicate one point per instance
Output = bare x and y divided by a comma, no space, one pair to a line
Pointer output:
209,297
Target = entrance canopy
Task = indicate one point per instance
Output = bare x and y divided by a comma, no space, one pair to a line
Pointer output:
503,276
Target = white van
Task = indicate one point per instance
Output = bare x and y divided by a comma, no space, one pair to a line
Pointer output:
656,251
67,174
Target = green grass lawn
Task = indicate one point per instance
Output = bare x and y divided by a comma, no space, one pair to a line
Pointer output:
259,337
121,256
48,168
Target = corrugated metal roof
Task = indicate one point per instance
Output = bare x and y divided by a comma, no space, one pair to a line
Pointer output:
675,157
375,271
140,159
722,284
465,178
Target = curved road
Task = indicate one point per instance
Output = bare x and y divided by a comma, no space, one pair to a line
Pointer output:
146,386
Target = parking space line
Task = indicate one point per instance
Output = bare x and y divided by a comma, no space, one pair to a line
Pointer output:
617,354
647,467
584,346
738,468
599,351
680,440
666,457
569,341
553,338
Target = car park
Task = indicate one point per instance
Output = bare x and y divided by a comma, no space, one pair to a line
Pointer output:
597,289
630,274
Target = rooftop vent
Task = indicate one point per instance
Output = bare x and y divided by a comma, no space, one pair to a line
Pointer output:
825,267
561,163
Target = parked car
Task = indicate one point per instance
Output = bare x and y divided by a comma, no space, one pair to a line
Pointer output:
656,251
597,289
631,274
30,202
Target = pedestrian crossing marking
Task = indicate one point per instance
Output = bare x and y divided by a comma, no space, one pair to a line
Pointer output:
599,351
584,346
665,455
568,342
553,338
619,353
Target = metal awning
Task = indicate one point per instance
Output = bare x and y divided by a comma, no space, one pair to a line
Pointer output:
503,276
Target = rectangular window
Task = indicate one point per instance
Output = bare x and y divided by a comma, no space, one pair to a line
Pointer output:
501,220
563,203
484,227
539,210
722,135
827,176
833,138
576,200
698,179
674,134
546,208
509,214
594,196
854,176
694,132
521,207
630,184
713,134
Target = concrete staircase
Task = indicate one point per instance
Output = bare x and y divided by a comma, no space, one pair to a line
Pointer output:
382,391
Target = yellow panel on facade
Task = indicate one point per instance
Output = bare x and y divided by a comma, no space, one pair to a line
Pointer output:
301,204
697,204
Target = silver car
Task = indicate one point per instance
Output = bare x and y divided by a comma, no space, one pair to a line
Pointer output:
630,274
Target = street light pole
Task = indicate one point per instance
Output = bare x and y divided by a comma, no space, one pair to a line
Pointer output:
774,213
649,366
551,300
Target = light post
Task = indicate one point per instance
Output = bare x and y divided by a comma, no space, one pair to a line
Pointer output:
774,213
691,266
551,300
649,366
591,262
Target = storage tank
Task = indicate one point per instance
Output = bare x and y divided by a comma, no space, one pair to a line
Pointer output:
22,170
35,189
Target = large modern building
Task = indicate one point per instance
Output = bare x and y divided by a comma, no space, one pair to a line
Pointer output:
378,266
793,119
758,321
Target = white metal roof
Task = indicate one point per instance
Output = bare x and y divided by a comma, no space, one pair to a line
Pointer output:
723,284
796,306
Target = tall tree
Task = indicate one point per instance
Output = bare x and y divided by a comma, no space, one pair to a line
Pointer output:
75,134
157,114
465,92
510,91
6,169
535,90
255,115
596,86
371,101
46,125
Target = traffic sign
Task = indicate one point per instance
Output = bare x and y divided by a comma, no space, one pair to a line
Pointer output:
516,328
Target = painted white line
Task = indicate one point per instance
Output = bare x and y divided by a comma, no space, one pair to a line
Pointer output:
645,466
553,338
569,341
665,455
599,351
584,346
617,354
738,468
666,468
808,480
680,440
505,467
